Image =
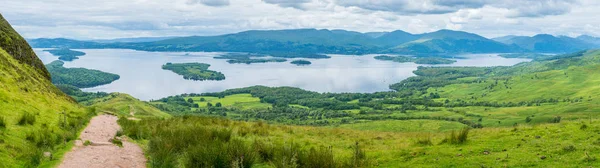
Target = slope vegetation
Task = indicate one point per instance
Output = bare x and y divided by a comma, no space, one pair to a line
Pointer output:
36,119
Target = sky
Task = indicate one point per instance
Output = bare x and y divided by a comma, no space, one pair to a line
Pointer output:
107,19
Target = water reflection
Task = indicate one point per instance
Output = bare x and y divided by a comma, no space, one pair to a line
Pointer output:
142,76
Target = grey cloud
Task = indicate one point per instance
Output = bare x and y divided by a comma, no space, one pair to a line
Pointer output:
517,8
539,8
288,3
216,3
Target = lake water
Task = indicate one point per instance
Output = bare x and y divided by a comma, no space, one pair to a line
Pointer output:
143,78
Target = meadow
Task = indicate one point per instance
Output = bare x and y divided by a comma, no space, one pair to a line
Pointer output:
190,141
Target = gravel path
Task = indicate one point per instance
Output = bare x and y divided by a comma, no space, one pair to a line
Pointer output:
102,153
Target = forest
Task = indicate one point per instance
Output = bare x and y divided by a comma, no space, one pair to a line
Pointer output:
301,62
419,60
65,54
79,77
194,71
241,58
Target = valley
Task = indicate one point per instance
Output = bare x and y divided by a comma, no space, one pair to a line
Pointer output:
296,98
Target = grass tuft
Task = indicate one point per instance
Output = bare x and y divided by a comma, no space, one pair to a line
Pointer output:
457,138
27,118
3,122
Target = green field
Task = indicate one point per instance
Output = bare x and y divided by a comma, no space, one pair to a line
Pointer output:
405,126
241,101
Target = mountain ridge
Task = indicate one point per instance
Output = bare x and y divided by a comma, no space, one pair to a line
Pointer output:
286,42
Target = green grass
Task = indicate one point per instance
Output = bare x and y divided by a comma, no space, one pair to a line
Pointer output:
405,126
38,117
241,101
124,105
565,143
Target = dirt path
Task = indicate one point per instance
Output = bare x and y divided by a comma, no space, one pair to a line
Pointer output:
102,153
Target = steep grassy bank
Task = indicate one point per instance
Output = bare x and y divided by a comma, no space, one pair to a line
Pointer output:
37,120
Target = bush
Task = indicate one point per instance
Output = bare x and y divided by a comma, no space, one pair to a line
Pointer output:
27,118
555,119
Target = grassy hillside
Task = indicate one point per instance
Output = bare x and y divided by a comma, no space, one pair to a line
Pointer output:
16,47
125,105
196,141
35,117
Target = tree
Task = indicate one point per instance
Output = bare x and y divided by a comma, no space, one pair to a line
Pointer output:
190,100
209,104
202,99
218,104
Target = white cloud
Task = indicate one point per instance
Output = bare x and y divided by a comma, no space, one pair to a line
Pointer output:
136,18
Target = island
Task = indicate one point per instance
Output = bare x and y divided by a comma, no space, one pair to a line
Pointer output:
525,55
242,58
194,71
418,60
301,62
65,54
79,77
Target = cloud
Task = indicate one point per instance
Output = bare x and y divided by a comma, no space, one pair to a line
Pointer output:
538,8
104,19
517,8
216,3
298,4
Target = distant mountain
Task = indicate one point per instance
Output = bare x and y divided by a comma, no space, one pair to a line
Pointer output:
448,41
395,38
298,42
61,43
375,34
546,43
590,39
133,40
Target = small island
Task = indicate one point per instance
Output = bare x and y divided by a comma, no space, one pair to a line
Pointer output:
65,54
194,71
79,77
239,58
425,60
525,55
301,62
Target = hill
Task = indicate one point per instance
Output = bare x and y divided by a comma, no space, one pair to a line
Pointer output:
448,42
35,116
546,43
300,42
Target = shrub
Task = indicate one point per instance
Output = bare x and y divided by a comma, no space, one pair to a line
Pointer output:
528,119
555,119
27,118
